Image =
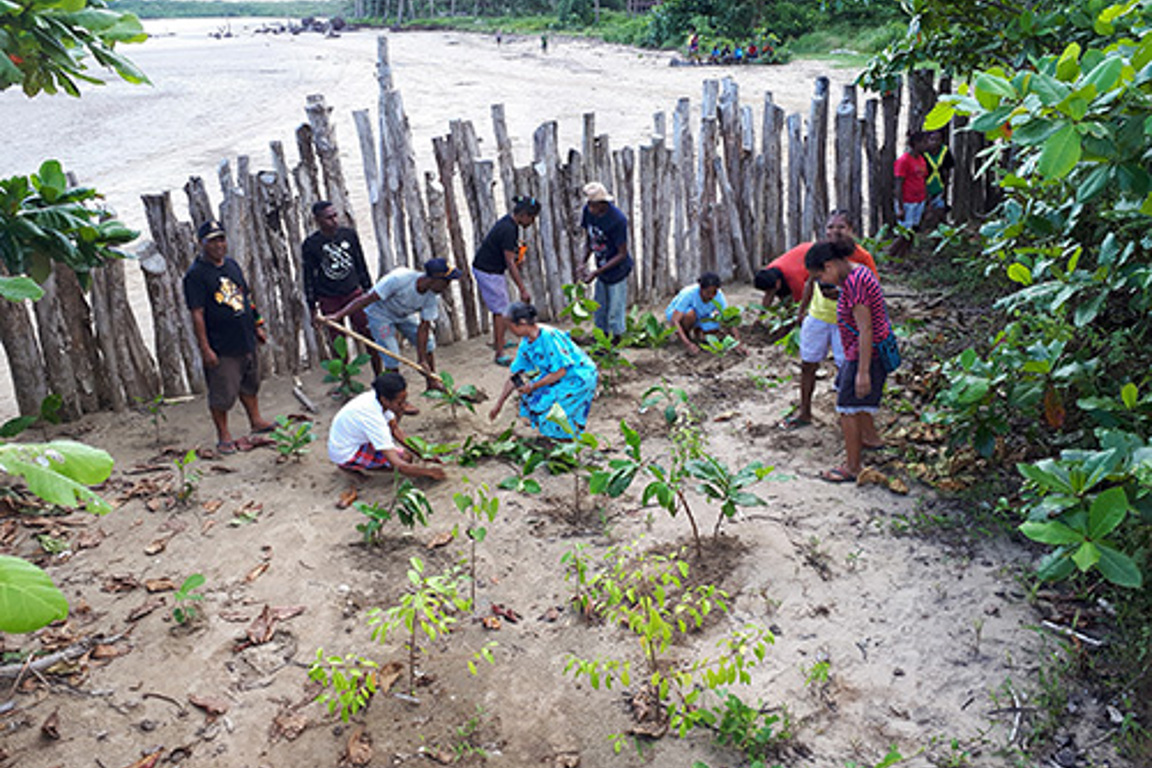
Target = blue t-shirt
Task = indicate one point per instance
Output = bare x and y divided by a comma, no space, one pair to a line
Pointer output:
607,235
689,299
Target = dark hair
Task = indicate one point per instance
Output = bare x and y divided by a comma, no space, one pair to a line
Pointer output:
709,280
823,252
768,279
519,312
524,204
915,136
389,385
840,213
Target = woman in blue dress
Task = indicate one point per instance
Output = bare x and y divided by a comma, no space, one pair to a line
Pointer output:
565,375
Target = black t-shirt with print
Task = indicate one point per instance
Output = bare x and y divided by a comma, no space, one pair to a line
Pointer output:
229,316
333,266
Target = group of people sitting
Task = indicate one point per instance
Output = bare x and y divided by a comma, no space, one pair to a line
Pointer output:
726,53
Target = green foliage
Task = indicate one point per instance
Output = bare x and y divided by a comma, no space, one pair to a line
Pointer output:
754,731
428,450
573,451
725,487
45,46
351,678
292,438
580,309
608,357
192,9
646,330
49,414
452,396
186,598
155,410
59,471
718,346
409,506
19,289
344,369
187,476
28,598
44,219
476,509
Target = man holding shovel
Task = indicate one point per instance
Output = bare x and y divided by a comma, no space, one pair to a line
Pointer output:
406,302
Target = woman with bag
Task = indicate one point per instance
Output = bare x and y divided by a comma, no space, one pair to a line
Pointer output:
870,350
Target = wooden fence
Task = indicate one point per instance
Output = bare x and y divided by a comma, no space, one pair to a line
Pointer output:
720,200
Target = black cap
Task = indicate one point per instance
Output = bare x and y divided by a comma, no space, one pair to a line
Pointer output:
209,230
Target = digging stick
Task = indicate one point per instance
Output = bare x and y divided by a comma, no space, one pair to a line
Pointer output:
431,375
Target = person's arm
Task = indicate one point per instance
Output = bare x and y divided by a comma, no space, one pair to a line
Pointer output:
898,195
409,469
677,317
863,316
543,381
422,345
514,271
351,308
621,254
805,298
359,264
509,387
201,332
311,263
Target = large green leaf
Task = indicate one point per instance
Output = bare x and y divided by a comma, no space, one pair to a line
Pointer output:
20,288
1086,556
1108,510
59,471
1052,532
1119,568
1061,153
28,598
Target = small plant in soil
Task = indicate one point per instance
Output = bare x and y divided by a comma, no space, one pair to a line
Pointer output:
155,410
186,598
608,358
718,346
580,307
409,506
428,450
187,477
343,370
722,485
49,413
754,731
578,568
292,438
349,682
574,451
647,331
452,396
477,508
522,482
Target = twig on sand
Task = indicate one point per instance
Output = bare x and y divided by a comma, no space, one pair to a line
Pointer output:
45,662
1069,632
181,711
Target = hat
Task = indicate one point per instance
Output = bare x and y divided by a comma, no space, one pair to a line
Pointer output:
595,192
439,269
209,230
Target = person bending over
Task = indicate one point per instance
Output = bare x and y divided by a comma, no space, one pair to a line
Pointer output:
694,312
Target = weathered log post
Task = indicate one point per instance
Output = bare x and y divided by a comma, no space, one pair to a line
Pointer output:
391,207
290,216
883,196
377,196
847,157
624,162
682,187
504,156
646,261
466,151
875,166
324,139
589,170
283,266
25,361
443,149
796,194
93,385
533,272
816,163
602,162
921,97
662,257
771,215
546,162
164,283
963,180
400,138
750,168
706,196
448,321
235,215
732,141
54,343
199,206
733,262
261,268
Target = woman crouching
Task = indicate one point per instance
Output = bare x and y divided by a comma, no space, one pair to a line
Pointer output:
566,375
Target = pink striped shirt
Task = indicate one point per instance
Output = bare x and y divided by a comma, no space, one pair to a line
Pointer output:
861,287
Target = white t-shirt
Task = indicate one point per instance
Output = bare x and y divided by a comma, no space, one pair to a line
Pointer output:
398,299
363,420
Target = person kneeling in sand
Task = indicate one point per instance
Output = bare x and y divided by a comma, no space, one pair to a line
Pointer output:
695,312
366,433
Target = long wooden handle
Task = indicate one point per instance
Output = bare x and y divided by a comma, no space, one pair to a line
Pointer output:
368,342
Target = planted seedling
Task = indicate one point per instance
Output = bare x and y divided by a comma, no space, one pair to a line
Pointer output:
292,438
521,482
410,506
351,678
187,476
49,413
155,410
646,330
452,396
343,370
186,598
718,346
722,485
427,450
573,450
477,509
580,308
608,357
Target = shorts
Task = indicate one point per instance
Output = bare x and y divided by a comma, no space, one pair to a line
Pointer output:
816,337
330,305
846,400
367,457
938,201
494,291
234,376
913,212
387,330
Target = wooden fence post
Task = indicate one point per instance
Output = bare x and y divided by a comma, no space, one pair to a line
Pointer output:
445,159
875,169
816,163
772,211
324,139
795,181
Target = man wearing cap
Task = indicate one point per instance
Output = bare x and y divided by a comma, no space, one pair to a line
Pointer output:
607,230
408,302
227,328
334,270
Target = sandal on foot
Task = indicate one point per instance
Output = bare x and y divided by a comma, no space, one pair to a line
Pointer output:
793,423
503,360
837,475
226,447
264,430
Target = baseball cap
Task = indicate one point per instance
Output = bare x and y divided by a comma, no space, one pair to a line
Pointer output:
209,230
439,269
595,192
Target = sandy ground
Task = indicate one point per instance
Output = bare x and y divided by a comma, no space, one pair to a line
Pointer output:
216,99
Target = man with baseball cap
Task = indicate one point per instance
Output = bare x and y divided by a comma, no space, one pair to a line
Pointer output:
607,230
227,328
405,301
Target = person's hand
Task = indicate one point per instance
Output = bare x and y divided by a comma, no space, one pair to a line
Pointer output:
587,276
863,383
210,359
436,473
319,318
261,335
492,414
526,388
525,297
693,349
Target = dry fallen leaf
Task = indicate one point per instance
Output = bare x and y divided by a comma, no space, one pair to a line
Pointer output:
263,627
896,485
50,729
148,761
120,583
359,750
145,609
212,706
725,416
347,498
490,622
257,572
106,651
89,539
156,547
163,584
441,539
871,476
211,506
289,725
387,676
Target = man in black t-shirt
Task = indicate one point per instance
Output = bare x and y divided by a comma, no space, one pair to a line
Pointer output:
334,270
606,227
227,328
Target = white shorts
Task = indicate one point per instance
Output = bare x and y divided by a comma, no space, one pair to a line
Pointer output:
816,336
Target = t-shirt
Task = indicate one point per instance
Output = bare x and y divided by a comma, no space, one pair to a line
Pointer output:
861,287
504,237
689,299
914,170
363,421
791,265
938,164
823,308
607,235
229,315
333,265
398,299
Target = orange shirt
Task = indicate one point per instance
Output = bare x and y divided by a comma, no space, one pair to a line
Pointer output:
791,265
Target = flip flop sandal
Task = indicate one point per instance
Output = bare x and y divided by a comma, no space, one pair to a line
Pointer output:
504,360
792,423
226,447
264,430
837,475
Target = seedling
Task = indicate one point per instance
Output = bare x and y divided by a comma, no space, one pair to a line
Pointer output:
155,410
452,396
718,346
476,508
578,568
343,369
292,439
754,731
428,450
186,597
49,414
352,679
187,476
580,308
573,450
646,330
410,506
464,745
608,357
721,485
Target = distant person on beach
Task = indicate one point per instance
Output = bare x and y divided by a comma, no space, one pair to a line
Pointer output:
544,43
405,301
862,318
816,315
911,190
334,270
693,313
227,328
366,434
564,375
502,252
606,240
